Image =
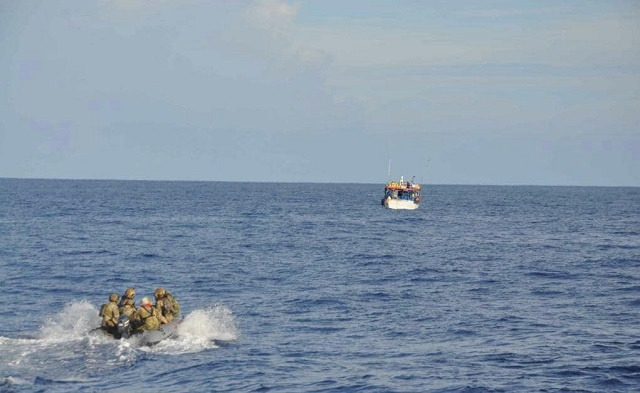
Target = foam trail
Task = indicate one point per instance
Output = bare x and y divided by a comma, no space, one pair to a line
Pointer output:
69,333
200,330
66,341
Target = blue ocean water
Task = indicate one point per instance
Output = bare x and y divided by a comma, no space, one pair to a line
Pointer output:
318,288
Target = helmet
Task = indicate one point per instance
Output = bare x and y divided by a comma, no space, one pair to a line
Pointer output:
160,292
145,300
130,293
114,297
129,302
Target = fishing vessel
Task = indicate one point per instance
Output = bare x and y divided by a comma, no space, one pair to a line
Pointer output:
401,195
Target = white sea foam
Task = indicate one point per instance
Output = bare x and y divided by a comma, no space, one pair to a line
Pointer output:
200,330
212,323
74,330
74,322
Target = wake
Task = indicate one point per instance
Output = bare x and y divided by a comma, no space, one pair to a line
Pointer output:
75,331
201,329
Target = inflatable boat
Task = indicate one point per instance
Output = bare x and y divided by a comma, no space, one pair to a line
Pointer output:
146,337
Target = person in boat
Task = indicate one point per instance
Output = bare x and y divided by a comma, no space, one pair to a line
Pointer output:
146,317
166,304
128,308
129,294
110,314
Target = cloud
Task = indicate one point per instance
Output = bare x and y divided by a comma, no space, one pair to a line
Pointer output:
524,67
271,15
561,43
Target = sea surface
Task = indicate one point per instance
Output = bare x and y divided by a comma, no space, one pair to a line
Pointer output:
317,288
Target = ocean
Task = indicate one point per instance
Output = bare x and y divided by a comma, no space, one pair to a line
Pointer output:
317,288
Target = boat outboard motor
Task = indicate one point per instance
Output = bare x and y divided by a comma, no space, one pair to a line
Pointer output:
125,328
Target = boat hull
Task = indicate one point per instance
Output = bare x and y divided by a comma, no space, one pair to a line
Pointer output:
145,337
400,204
152,337
401,195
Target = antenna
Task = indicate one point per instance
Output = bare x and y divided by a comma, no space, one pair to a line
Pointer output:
389,170
425,170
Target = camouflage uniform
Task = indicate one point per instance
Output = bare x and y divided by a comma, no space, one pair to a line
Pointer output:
110,314
128,308
166,304
129,294
147,318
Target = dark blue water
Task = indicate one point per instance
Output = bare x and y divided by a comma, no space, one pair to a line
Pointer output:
316,287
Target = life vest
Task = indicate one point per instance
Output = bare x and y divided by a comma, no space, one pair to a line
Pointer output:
127,310
103,308
171,305
123,299
144,315
151,312
109,313
168,306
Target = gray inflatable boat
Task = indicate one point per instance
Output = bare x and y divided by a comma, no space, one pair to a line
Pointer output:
147,337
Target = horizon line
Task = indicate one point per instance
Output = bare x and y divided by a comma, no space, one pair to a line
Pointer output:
311,182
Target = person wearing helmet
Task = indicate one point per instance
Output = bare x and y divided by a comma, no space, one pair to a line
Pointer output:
110,314
129,294
166,304
146,317
128,308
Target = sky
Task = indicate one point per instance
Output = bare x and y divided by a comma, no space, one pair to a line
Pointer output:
324,91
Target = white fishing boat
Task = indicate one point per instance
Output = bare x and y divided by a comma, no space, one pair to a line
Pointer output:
401,195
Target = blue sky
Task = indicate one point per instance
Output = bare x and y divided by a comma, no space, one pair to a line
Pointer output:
454,92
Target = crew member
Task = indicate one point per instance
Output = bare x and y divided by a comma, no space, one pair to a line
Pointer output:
128,309
110,314
130,293
166,304
146,317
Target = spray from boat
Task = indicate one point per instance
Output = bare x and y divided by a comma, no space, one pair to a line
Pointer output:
73,335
